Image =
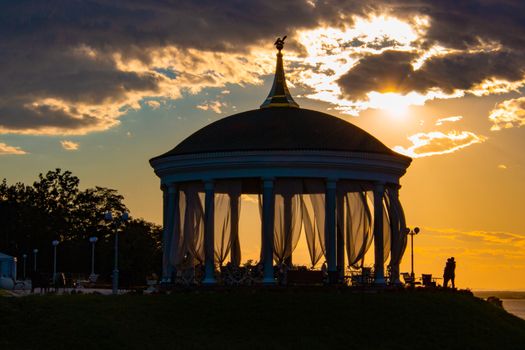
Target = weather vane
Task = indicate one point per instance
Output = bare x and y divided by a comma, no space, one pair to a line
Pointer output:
279,43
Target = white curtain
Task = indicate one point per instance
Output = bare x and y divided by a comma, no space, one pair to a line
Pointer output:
226,234
313,214
288,218
176,241
358,227
397,227
387,229
193,223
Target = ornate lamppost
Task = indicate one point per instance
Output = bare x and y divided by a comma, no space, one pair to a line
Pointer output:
55,243
413,232
118,221
92,240
24,257
35,252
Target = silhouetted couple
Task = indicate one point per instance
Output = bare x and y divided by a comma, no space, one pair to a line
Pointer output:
450,272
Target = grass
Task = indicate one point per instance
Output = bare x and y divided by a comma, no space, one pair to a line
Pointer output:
259,319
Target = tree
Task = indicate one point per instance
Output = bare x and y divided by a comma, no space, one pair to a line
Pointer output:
55,208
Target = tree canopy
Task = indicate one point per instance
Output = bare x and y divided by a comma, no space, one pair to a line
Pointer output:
54,207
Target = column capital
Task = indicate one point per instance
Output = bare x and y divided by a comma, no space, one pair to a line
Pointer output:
172,187
209,184
331,183
393,186
379,186
268,182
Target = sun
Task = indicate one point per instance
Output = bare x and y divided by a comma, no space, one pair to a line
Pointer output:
393,103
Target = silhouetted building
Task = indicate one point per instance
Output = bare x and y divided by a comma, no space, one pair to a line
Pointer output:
309,169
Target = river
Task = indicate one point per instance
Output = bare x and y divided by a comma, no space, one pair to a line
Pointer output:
515,307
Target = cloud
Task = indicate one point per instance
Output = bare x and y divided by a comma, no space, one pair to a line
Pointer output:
6,149
71,68
452,119
508,114
436,143
393,71
69,145
214,106
153,104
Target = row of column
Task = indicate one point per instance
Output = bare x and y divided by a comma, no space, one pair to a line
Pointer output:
334,235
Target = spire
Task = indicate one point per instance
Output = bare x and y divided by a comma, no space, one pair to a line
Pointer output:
279,95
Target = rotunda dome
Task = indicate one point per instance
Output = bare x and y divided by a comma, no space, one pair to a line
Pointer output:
280,129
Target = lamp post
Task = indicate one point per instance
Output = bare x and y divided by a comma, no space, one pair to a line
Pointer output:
118,221
35,251
92,240
413,232
54,243
24,257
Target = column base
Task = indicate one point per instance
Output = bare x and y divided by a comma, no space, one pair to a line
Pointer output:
268,281
380,282
333,277
209,281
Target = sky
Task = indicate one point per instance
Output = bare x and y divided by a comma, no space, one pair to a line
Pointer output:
100,87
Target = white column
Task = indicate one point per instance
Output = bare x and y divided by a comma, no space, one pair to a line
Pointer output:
330,221
340,236
287,199
209,234
395,237
268,228
234,234
169,196
379,190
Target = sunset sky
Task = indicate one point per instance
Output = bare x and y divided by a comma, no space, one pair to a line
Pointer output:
100,87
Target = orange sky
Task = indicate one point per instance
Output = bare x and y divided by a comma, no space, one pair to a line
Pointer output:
447,103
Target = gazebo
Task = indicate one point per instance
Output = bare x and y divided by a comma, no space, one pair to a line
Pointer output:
312,172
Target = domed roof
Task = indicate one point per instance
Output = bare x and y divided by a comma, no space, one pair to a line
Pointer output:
278,129
280,125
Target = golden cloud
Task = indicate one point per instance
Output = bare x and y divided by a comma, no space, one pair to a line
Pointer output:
508,114
436,143
214,106
6,149
69,145
452,119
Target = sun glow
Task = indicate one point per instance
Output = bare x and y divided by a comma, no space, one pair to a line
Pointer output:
331,52
394,104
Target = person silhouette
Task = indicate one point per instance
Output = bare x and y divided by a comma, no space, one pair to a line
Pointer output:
449,274
452,272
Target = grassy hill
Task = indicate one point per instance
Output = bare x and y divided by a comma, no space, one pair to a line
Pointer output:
259,319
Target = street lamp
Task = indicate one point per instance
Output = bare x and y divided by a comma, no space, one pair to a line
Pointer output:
413,232
118,221
54,243
24,256
35,251
92,240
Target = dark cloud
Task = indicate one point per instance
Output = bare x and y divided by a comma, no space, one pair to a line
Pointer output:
467,23
44,48
392,71
386,72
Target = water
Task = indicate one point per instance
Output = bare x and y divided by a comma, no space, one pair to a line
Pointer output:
515,307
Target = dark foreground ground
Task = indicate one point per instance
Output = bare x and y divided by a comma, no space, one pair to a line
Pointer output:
259,319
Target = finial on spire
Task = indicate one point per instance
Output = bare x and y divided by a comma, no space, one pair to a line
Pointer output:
279,95
279,43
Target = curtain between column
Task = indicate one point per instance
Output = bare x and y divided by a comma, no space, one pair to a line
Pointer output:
313,214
